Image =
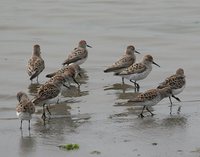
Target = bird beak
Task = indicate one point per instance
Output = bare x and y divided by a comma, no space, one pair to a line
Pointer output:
156,64
137,52
89,46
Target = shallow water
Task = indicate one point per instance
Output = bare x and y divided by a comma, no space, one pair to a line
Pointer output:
90,116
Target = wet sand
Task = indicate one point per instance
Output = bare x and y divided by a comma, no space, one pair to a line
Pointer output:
91,116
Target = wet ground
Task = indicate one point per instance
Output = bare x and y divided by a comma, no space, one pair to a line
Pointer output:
93,115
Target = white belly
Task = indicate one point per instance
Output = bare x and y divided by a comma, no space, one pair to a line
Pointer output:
81,61
138,76
151,102
24,115
177,91
49,101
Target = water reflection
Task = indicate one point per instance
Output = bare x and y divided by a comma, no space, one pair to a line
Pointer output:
58,120
60,109
119,86
174,120
27,145
122,87
73,91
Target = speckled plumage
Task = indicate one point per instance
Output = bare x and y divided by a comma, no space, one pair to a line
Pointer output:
35,64
48,92
72,68
138,71
70,72
79,54
176,82
151,97
125,61
25,108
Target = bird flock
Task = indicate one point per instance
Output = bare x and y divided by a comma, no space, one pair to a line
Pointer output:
126,67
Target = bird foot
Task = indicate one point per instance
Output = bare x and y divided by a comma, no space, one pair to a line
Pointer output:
152,114
141,115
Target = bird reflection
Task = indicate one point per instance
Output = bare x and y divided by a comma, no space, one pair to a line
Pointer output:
73,91
119,86
174,120
59,119
27,145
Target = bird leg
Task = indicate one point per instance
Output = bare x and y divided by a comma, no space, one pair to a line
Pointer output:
134,84
176,98
170,105
137,86
141,114
179,110
123,80
37,80
43,114
149,111
66,86
48,110
79,74
29,125
75,81
21,125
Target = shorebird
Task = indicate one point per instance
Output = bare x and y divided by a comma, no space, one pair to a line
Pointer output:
138,71
78,55
150,97
176,82
48,92
35,64
70,73
25,108
124,62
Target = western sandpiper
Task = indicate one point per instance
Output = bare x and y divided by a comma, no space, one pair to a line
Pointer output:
25,108
124,62
35,64
150,97
176,82
79,54
138,71
48,92
70,73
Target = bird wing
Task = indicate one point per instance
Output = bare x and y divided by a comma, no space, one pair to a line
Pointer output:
75,55
48,91
146,96
25,106
134,69
174,81
122,63
35,66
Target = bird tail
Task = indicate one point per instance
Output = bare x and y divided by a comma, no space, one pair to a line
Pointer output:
107,70
117,74
65,62
161,86
50,75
